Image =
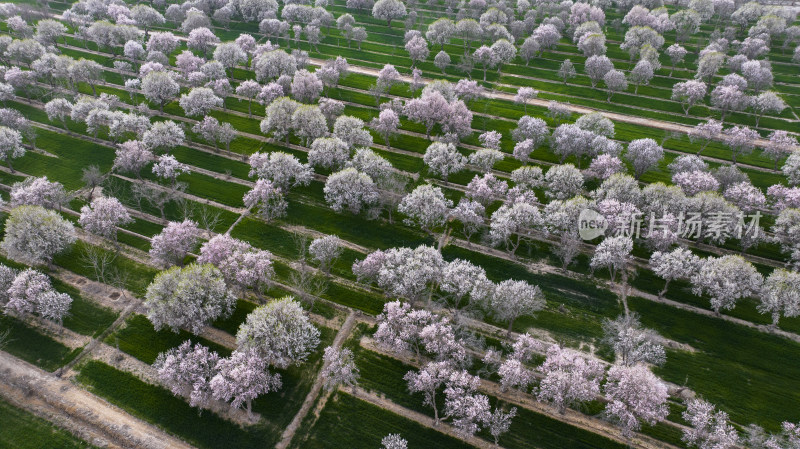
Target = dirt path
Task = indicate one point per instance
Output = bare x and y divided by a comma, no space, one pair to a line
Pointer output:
79,411
291,429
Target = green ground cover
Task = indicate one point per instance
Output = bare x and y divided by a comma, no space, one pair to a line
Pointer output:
139,339
347,421
23,430
158,406
745,372
34,347
384,375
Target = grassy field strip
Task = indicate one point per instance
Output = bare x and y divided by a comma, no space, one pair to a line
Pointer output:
140,341
147,373
758,179
228,342
588,247
419,418
572,417
171,414
429,15
630,100
543,268
58,397
671,366
25,430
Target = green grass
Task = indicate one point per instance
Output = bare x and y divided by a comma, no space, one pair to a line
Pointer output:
23,430
158,406
747,373
348,422
33,346
86,318
139,339
384,375
137,276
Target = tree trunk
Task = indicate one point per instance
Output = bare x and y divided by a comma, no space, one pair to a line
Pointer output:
435,411
624,291
662,292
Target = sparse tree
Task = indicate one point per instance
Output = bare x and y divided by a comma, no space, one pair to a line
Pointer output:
567,71
389,10
679,263
103,216
615,82
709,428
426,207
174,242
386,124
350,190
632,343
325,251
284,170
394,441
781,295
160,88
644,154
266,199
428,381
613,253
187,371
10,145
443,159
